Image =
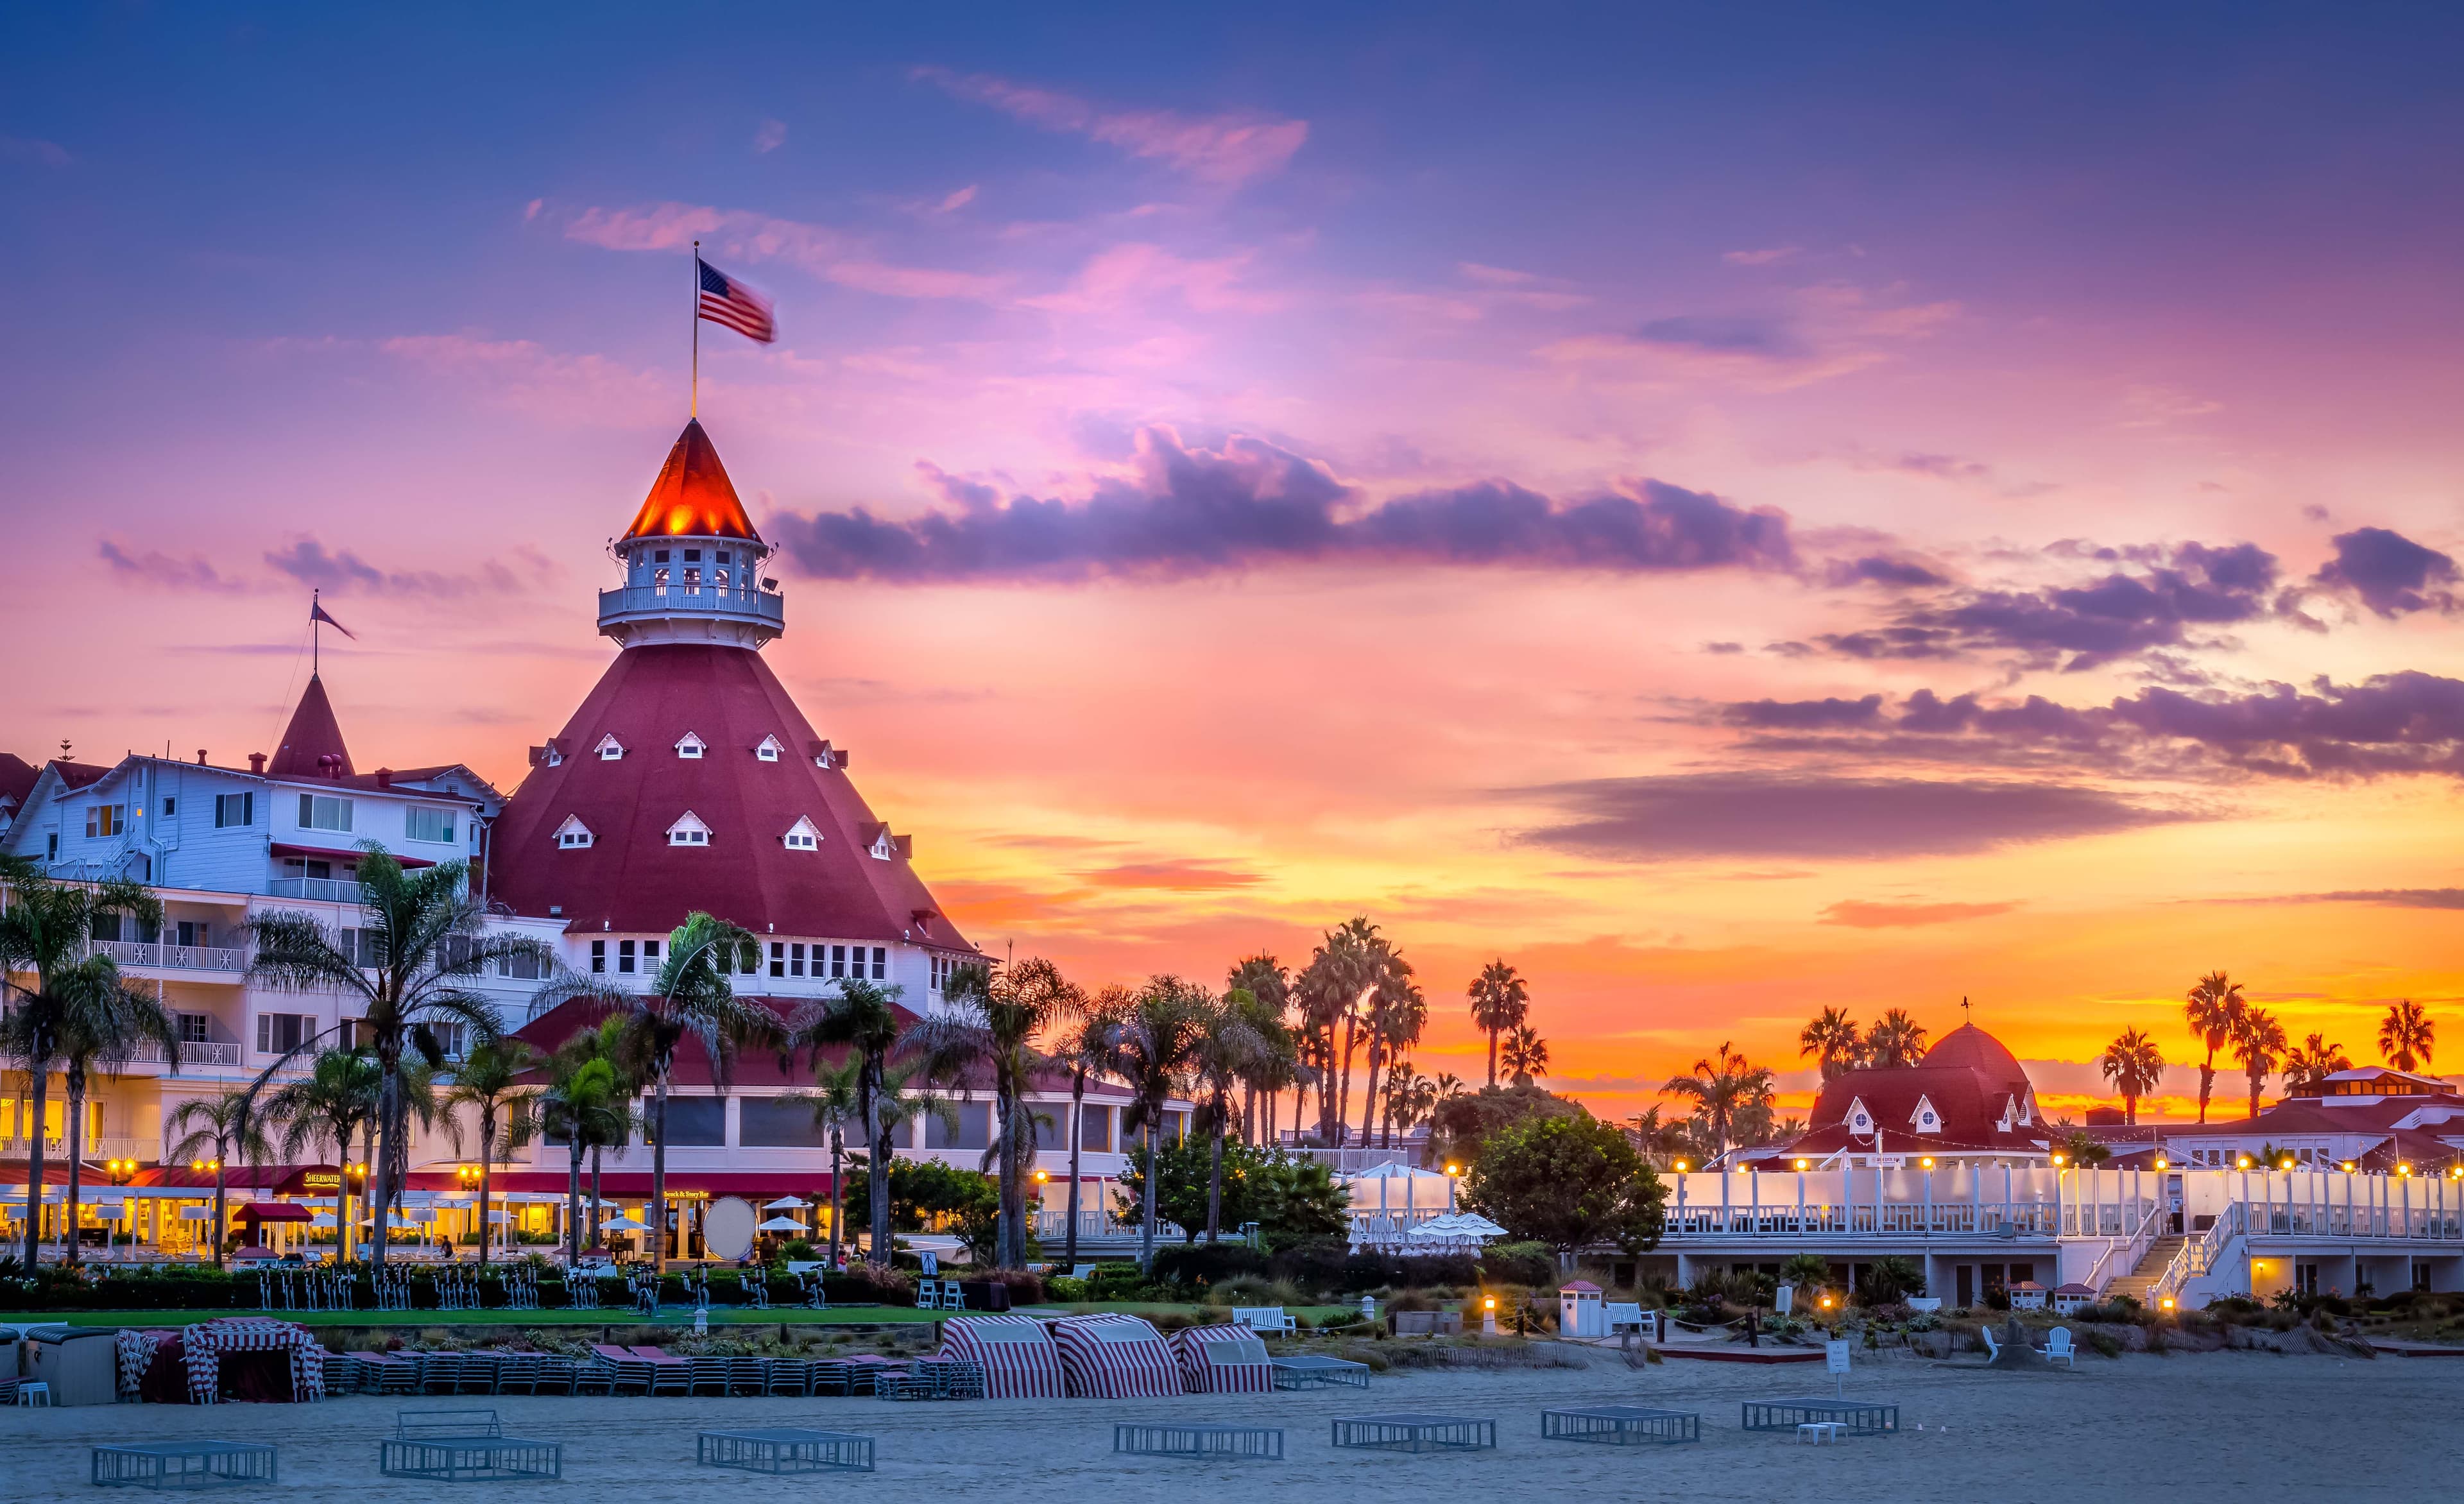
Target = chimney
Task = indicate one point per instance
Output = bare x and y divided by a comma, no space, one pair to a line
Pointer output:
257,761
201,757
384,778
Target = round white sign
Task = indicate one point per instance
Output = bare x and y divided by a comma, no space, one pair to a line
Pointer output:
727,1227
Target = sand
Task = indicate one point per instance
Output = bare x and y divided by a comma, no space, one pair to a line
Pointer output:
2238,1425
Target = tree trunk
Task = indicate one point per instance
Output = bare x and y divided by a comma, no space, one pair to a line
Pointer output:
486,1164
1013,1204
659,1176
597,1209
380,1198
1492,1058
1369,1098
838,1183
77,1145
2206,1085
1215,1175
222,1209
1147,1233
876,1136
1077,1133
39,1103
573,1197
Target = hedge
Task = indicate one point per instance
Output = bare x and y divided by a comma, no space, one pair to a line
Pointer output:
203,1290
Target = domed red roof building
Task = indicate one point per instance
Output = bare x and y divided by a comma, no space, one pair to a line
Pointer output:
689,779
1968,1099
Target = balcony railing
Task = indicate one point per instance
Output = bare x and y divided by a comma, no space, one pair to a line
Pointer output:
326,889
192,1052
1096,1224
670,600
176,957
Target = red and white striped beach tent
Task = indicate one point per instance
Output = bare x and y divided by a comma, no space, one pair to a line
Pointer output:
1222,1360
1116,1357
1018,1360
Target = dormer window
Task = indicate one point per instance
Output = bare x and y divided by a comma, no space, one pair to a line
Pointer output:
689,830
690,747
1924,1119
573,835
802,836
554,755
611,750
884,847
1860,1122
769,749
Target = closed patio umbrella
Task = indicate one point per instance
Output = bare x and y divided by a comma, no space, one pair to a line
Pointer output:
782,1224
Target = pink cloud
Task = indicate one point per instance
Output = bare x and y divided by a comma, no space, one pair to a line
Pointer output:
1133,272
1763,257
585,391
1229,148
771,136
831,254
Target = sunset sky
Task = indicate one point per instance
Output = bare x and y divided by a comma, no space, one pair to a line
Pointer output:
1730,513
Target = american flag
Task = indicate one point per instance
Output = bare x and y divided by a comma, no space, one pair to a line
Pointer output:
726,300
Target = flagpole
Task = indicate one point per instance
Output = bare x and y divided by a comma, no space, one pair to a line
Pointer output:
315,636
692,400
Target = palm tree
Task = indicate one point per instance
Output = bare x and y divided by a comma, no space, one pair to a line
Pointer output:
2406,1035
2259,1042
1661,1143
832,1099
2312,1063
1218,1059
1405,1087
333,1103
865,1019
2134,1065
494,1082
48,928
98,1024
1833,1038
225,1127
586,1102
2213,1009
1270,992
1526,1055
1395,1015
1499,1001
422,940
1341,976
690,998
1723,1085
1084,1049
1895,1040
1152,1046
996,1013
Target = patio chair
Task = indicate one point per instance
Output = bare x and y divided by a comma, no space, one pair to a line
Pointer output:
1993,1348
439,1373
789,1375
748,1376
594,1375
2059,1348
826,1376
667,1374
709,1376
554,1374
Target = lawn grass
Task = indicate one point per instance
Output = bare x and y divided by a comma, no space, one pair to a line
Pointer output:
611,1315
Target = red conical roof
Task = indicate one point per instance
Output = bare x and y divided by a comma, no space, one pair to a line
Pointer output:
1979,1050
692,496
631,880
313,735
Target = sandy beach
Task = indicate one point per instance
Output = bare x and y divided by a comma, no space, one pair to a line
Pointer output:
2228,1425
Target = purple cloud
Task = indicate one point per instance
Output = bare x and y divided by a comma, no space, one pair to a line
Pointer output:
1187,510
2390,572
1804,713
1722,336
1815,815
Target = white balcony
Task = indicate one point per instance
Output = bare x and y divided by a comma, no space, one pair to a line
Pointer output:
321,889
193,1053
175,958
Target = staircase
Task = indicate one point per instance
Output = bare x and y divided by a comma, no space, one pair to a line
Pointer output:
2153,1264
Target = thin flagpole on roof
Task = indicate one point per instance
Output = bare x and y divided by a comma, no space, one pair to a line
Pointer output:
692,400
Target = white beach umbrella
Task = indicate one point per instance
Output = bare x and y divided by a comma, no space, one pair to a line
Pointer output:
323,1219
628,1223
197,1214
782,1224
784,1204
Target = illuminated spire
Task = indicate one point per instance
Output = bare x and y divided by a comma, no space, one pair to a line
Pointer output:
692,496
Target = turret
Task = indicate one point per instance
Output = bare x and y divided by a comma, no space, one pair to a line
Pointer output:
693,561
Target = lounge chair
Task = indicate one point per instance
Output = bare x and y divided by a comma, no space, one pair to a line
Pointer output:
1270,1319
789,1375
1993,1348
2059,1348
748,1376
667,1374
440,1373
626,1370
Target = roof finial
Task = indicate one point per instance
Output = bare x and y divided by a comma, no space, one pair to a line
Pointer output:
1965,1016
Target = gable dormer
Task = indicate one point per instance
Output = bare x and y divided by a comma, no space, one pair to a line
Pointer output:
690,745
1924,1117
550,754
1859,1118
689,830
827,756
609,749
802,836
769,749
882,846
573,835
2028,1107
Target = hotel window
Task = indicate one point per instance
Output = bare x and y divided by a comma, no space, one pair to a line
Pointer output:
452,1040
838,961
689,831
429,825
235,810
192,932
324,813
101,820
689,746
193,1028
522,965
725,557
974,1130
795,960
599,955
625,957
777,957
880,962
651,956
278,1033
1095,1129
692,578
171,807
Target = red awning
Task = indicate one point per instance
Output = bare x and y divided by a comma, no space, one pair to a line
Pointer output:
350,858
635,1184
274,1211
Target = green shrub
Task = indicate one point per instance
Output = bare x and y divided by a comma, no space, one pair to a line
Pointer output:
1064,1289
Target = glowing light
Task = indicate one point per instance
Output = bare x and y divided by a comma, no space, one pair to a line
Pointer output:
2242,1163
2287,1165
1927,1161
1042,1177
2162,1161
1680,1167
1453,1168
2348,1167
1489,1303
2166,1303
2060,1158
2403,1169
1800,1164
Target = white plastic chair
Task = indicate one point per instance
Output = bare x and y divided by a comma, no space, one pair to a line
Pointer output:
1993,1348
2059,1348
